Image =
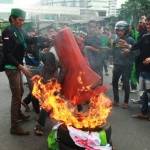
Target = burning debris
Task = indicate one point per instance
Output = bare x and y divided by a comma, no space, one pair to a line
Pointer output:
62,110
81,84
84,129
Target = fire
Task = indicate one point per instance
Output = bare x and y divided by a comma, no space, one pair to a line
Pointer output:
61,109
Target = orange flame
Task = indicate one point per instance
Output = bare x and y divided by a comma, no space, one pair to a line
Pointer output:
62,110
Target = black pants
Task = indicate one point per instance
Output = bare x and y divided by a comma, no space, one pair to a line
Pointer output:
30,98
42,117
117,72
35,103
145,99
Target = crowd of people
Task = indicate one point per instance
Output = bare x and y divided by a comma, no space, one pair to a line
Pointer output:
126,48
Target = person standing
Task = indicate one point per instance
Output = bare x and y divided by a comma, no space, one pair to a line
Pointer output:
92,48
123,60
105,46
144,62
49,72
14,46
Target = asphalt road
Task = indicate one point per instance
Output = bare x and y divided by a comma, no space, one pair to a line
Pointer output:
127,133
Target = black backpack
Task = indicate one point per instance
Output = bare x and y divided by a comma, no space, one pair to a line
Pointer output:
1,58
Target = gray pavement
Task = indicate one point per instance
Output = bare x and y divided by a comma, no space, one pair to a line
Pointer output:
127,133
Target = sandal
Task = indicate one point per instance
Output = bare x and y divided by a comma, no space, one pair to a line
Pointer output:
38,130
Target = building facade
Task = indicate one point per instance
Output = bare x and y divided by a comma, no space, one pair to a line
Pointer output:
68,3
79,10
104,7
89,9
6,1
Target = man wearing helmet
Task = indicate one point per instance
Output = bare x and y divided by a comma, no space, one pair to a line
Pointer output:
122,59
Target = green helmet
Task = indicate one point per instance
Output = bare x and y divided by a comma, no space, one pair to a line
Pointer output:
122,25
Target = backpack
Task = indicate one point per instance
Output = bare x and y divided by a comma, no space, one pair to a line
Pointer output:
1,58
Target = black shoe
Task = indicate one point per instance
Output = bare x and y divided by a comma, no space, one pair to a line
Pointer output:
18,131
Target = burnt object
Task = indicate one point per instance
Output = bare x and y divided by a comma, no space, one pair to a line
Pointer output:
66,143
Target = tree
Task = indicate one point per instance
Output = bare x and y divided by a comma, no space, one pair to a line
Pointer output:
134,9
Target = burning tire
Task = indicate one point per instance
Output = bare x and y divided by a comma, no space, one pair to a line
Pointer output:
66,143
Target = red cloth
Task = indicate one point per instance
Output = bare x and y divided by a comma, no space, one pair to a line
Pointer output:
76,67
80,42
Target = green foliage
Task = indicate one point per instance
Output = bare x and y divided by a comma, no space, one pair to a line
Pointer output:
134,9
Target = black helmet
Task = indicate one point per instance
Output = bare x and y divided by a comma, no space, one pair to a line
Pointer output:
122,25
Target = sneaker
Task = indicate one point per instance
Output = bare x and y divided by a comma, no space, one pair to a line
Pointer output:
133,91
119,88
111,66
18,131
135,101
38,130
